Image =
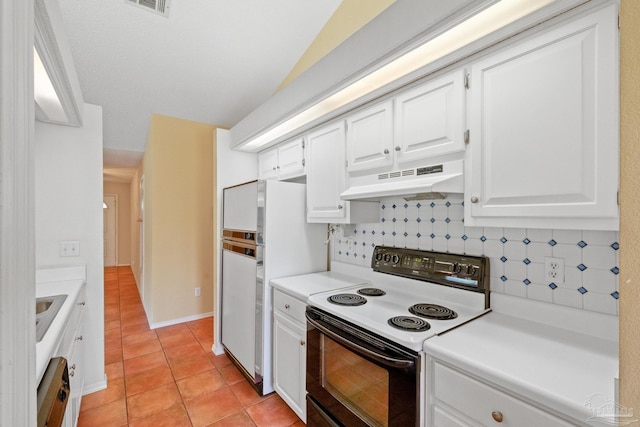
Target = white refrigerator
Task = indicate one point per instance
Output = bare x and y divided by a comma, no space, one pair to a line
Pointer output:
265,236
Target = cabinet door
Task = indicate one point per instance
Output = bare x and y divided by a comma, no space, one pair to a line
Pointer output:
289,363
291,159
544,125
268,164
429,120
326,175
370,138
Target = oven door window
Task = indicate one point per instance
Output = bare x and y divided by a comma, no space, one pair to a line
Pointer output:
358,384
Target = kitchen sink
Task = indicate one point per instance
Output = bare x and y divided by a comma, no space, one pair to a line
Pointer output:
46,310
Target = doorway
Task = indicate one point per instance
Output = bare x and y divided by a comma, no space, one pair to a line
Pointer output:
110,224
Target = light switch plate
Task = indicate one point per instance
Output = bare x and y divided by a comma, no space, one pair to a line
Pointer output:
69,248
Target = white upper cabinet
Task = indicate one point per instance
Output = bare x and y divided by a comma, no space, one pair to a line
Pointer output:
370,138
429,120
544,130
326,179
283,162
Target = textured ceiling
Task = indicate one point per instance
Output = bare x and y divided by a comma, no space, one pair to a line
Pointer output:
211,61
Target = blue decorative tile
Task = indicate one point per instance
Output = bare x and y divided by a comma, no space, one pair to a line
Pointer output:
553,285
383,220
418,235
552,242
339,252
582,290
393,206
503,278
615,294
364,244
433,236
582,243
406,234
447,220
418,220
503,259
432,220
615,270
464,237
526,241
615,246
418,205
383,233
346,253
526,282
406,220
363,232
503,240
364,256
406,205
447,237
394,220
383,207
483,239
373,245
373,232
582,267
526,261
433,205
448,204
393,234
355,255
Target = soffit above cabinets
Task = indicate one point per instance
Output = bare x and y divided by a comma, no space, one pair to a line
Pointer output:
399,29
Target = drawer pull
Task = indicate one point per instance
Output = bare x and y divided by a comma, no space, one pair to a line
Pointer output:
72,373
81,303
302,343
497,416
79,338
287,306
73,366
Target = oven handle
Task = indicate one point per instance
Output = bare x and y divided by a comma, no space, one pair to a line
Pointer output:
385,360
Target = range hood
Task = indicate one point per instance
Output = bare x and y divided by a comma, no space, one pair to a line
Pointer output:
433,181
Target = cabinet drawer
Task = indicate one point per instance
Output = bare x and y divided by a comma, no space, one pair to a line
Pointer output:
480,402
289,306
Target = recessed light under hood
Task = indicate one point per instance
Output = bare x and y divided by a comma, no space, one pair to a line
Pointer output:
433,181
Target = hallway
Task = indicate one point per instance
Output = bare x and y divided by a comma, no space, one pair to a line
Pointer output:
169,376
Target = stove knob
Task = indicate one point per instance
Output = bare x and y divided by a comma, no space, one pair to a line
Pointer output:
387,258
457,268
471,270
378,257
395,259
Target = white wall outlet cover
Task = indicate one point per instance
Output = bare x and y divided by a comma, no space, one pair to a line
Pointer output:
554,270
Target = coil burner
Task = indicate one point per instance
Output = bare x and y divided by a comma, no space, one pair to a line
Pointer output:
433,311
408,323
371,292
347,299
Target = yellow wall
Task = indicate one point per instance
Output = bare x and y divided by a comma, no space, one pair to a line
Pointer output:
350,16
135,225
124,215
630,206
178,219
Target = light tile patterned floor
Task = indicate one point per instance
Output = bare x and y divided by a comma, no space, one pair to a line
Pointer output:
169,376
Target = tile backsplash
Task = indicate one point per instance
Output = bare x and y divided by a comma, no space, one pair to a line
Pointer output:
517,255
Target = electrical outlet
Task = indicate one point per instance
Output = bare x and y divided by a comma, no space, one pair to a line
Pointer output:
197,292
69,248
554,270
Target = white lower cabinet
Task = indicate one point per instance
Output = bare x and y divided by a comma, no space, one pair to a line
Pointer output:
290,352
72,349
457,399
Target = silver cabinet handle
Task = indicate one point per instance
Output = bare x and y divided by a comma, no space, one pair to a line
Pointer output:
73,366
386,151
72,373
339,206
398,148
474,199
79,338
81,303
287,306
301,342
497,416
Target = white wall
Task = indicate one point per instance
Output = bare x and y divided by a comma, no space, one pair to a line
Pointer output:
233,167
68,188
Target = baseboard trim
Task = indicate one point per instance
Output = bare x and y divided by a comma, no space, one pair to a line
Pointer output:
92,388
180,320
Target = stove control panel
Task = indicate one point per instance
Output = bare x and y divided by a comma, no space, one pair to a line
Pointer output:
460,271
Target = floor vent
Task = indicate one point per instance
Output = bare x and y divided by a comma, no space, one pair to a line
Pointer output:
161,7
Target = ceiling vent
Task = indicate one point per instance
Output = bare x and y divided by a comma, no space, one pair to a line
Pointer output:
161,7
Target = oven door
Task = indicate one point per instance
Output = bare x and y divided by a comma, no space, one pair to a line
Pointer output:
355,378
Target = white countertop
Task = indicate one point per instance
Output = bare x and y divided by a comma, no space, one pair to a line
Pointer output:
558,368
301,287
48,346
